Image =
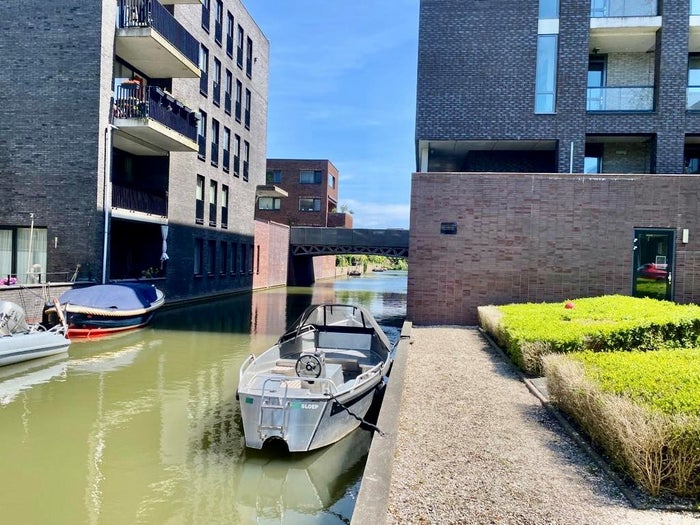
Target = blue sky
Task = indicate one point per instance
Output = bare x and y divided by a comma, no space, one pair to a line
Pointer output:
342,87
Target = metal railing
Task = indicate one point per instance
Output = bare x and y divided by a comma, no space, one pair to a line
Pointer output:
204,82
629,98
137,200
150,13
622,8
137,101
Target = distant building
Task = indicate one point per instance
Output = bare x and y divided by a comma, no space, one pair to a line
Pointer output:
133,134
557,154
312,187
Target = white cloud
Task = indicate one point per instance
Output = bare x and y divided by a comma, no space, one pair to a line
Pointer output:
378,215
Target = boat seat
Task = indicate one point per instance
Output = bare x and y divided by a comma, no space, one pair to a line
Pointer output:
283,371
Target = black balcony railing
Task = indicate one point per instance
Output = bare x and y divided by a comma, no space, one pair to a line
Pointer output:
204,83
239,56
226,160
206,15
236,165
132,100
224,217
150,13
212,214
249,66
216,93
217,31
137,200
247,118
229,45
199,212
245,170
227,103
214,154
238,110
202,144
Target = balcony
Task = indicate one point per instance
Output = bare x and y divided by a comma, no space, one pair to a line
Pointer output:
151,122
624,25
150,39
133,204
628,98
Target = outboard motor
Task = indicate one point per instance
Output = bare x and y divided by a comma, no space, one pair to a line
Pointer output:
12,319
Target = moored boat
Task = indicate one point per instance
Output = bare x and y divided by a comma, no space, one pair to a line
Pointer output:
104,309
20,341
317,383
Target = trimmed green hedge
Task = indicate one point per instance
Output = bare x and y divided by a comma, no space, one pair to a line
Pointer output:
615,322
665,380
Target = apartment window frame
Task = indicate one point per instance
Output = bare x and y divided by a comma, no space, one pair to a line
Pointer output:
203,69
202,135
218,21
215,129
249,58
269,203
230,26
273,177
226,145
239,47
548,9
546,71
213,196
236,155
246,113
223,254
228,88
310,204
198,257
239,100
206,14
224,206
199,200
216,95
246,160
211,254
310,176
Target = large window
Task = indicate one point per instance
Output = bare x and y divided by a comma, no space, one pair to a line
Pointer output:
239,48
694,82
214,142
227,149
310,176
198,256
202,135
224,206
217,81
546,74
204,70
212,202
273,177
309,204
23,255
269,203
199,202
549,9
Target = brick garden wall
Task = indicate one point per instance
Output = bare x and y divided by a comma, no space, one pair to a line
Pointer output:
540,237
272,254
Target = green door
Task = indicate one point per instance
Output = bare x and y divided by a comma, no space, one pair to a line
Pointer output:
653,263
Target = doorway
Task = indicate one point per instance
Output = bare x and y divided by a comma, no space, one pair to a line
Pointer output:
654,251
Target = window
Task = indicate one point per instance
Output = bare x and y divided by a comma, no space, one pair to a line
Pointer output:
227,149
202,134
593,160
206,14
212,257
236,155
246,159
16,259
247,108
229,34
199,202
218,20
223,248
239,48
234,257
546,74
214,142
249,59
549,9
310,176
198,256
217,81
309,204
227,93
204,70
257,260
239,96
273,177
595,82
269,203
694,82
251,262
212,203
243,258
331,181
224,206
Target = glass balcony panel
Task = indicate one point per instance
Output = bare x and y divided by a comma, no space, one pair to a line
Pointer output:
622,8
620,98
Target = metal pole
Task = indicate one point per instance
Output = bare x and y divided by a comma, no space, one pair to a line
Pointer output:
107,197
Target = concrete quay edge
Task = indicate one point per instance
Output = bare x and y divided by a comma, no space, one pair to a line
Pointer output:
373,498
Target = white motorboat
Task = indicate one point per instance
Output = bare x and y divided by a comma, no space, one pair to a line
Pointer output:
20,341
317,383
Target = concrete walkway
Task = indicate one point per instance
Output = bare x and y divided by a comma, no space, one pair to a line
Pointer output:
467,442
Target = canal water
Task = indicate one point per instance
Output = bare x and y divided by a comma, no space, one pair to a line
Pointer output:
144,427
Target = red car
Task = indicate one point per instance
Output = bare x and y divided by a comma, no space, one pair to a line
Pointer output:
653,271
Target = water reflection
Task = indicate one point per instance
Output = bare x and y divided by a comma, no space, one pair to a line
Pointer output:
144,427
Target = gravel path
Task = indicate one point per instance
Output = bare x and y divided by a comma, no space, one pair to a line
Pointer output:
475,446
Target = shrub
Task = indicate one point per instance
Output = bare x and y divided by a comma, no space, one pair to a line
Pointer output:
659,450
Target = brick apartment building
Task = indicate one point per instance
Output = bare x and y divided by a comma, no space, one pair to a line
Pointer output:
557,153
312,200
132,138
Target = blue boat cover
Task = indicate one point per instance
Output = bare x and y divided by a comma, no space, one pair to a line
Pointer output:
123,296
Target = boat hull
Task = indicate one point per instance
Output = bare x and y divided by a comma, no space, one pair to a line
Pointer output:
32,345
303,423
84,325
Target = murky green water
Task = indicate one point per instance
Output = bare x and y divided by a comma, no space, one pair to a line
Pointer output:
144,428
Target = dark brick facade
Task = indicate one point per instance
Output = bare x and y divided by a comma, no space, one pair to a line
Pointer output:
539,237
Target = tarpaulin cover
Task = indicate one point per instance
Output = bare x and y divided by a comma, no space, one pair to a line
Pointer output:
124,296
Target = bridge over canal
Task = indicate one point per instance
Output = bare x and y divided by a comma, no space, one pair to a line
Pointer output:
308,242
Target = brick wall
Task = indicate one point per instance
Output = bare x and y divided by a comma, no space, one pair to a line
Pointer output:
272,254
538,237
324,267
